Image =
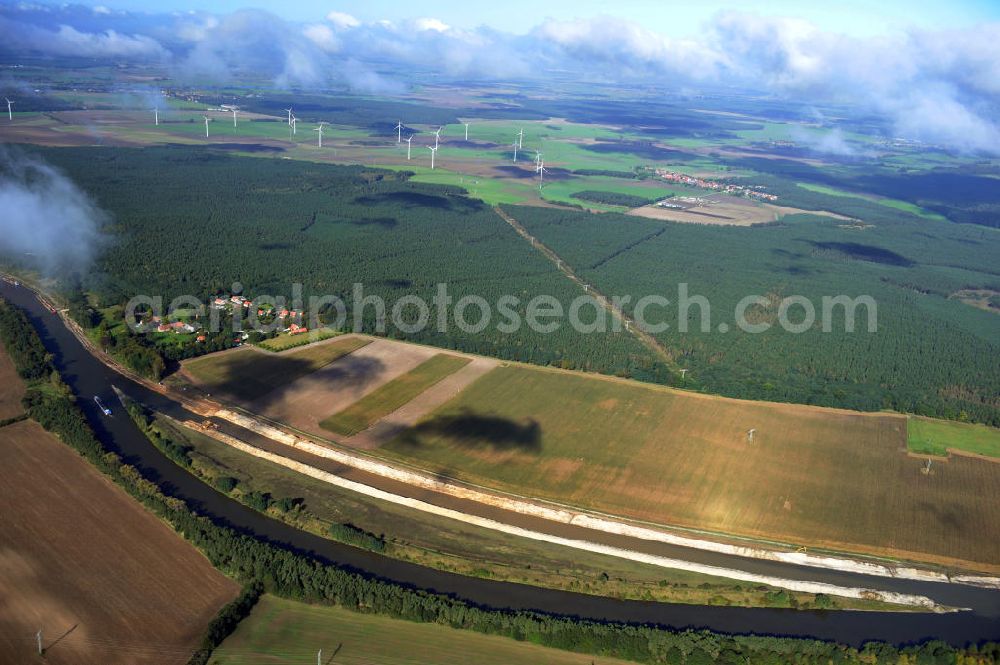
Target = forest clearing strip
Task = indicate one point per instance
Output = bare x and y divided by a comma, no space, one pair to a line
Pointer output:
598,522
645,338
598,548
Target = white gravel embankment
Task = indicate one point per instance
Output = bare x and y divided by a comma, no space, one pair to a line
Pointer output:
599,522
599,548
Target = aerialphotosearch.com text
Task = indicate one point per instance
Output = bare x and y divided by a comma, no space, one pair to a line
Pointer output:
471,314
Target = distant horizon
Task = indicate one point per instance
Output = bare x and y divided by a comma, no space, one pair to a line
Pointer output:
930,73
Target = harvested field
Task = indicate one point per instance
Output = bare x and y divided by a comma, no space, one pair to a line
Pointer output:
11,387
392,395
285,631
308,398
817,477
246,374
104,580
725,211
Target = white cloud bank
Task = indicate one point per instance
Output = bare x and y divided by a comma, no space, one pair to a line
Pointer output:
942,87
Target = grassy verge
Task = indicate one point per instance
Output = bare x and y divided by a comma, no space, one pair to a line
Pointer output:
935,437
286,342
286,631
392,395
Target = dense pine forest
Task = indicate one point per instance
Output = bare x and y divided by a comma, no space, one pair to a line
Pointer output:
927,355
213,219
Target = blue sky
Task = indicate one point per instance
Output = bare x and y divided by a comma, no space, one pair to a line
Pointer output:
669,17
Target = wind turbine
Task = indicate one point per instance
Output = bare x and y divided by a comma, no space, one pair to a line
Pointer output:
156,116
433,150
750,433
319,138
289,110
294,121
541,172
207,120
466,130
437,137
538,159
409,140
234,110
514,145
520,138
399,131
10,114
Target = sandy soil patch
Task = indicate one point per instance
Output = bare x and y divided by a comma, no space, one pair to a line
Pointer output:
308,400
410,413
724,211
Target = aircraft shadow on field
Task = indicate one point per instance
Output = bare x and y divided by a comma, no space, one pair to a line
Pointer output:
346,369
474,430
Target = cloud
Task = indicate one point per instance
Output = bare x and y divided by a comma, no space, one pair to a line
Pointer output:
434,24
942,87
342,20
938,87
614,43
66,40
48,221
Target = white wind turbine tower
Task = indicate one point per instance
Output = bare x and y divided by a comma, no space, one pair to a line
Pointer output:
289,111
433,150
10,114
234,110
541,172
207,120
156,116
399,131
520,138
750,433
437,137
538,159
466,130
409,140
319,137
514,145
294,122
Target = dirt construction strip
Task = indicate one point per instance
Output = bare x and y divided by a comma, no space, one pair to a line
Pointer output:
598,548
592,521
407,415
303,403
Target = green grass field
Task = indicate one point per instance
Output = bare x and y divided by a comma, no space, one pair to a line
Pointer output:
231,375
285,342
446,544
905,206
390,396
285,631
936,437
684,459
